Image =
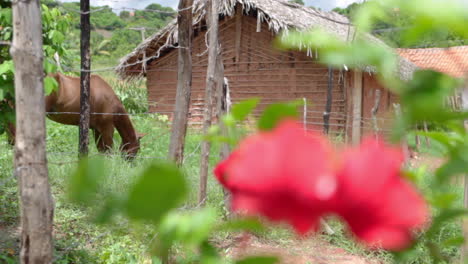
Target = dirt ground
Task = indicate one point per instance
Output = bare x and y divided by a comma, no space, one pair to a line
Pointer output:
306,251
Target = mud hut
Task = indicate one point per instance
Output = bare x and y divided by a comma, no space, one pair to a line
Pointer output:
255,68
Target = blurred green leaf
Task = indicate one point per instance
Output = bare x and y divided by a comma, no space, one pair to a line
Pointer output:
111,206
454,241
247,224
444,216
258,260
50,85
159,189
444,200
209,255
424,98
84,183
241,110
276,113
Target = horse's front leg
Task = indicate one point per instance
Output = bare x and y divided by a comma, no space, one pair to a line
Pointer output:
99,141
107,137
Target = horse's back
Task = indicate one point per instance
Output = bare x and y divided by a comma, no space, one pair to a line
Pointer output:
67,99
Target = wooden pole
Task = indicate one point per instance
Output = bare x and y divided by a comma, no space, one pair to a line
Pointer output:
36,205
357,108
85,78
328,106
211,78
184,82
374,111
464,247
222,97
304,113
404,144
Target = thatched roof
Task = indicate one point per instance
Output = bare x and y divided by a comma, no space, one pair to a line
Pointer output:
280,15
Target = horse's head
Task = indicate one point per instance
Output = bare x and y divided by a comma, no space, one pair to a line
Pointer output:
130,149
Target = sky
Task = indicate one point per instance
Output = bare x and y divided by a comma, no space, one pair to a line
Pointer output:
323,4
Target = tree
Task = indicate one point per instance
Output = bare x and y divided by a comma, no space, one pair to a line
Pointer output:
30,153
124,15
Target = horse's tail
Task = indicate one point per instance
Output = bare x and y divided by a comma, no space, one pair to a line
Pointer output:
124,126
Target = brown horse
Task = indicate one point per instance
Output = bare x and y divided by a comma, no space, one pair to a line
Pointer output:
107,113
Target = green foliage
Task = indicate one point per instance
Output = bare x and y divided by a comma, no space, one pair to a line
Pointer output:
241,110
394,26
84,183
55,26
160,188
275,113
133,94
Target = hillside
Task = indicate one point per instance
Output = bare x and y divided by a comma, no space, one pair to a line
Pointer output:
116,32
393,30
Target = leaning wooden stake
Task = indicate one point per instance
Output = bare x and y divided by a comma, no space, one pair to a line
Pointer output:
36,205
184,82
85,79
211,78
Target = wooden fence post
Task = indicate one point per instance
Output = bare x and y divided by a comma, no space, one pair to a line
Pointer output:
328,106
357,107
464,249
85,78
30,150
212,75
304,113
223,107
374,111
404,144
184,82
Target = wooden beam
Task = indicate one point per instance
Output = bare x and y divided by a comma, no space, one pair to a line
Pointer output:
357,107
239,14
184,82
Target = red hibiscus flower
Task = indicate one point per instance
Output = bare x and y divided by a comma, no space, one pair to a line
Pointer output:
380,207
285,175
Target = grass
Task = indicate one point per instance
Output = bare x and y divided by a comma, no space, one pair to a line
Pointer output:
79,241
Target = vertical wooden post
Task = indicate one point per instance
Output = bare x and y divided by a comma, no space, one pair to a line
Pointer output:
406,152
85,78
374,111
328,106
211,78
184,82
304,114
464,248
222,94
357,107
30,149
239,14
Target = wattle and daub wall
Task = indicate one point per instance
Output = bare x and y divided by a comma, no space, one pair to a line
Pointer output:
255,68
